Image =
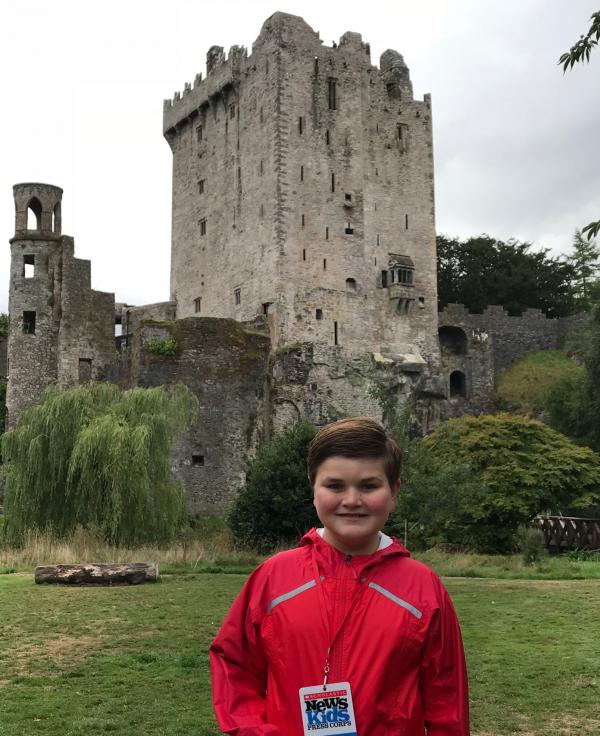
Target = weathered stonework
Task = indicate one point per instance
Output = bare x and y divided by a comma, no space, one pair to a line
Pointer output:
61,330
303,188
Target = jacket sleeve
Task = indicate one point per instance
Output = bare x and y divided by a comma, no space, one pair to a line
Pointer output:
444,684
239,667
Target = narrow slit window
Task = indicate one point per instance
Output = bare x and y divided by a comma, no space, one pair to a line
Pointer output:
29,266
333,182
332,93
261,211
303,254
199,133
324,264
197,461
198,304
29,323
239,174
302,173
384,279
300,125
261,168
327,138
202,224
326,233
377,238
406,222
303,221
318,314
237,296
316,65
260,115
201,184
335,334
232,110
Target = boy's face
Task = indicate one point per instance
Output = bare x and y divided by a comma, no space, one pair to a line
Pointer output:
353,499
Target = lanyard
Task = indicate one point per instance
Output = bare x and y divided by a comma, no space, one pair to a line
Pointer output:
326,622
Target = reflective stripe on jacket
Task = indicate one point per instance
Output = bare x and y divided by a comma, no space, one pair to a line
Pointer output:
400,646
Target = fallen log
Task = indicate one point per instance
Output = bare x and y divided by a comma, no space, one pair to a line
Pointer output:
130,573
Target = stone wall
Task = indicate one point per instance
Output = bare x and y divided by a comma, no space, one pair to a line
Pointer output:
225,364
293,204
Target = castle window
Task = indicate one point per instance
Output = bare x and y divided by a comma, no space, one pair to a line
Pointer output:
303,254
85,370
332,93
377,238
318,314
261,212
261,168
202,224
303,221
266,306
300,125
348,197
239,173
350,284
349,230
260,115
267,66
201,186
333,182
326,233
197,461
393,276
405,276
237,296
302,173
29,323
34,214
376,172
384,279
316,65
402,135
421,302
335,334
327,139
198,304
28,266
324,264
406,222
232,111
199,133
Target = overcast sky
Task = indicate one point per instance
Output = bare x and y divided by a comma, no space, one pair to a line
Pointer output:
515,141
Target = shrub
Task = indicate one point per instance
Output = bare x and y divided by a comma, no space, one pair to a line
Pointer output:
162,347
97,457
525,385
530,543
275,506
474,480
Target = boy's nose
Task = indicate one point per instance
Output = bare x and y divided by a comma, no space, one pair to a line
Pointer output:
352,497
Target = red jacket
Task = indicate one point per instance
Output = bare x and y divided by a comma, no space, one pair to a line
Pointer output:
399,648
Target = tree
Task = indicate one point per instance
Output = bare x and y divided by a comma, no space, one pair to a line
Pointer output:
275,506
573,403
481,271
585,267
580,52
97,457
474,480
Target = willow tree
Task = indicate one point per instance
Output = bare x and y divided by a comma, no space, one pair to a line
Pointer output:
98,457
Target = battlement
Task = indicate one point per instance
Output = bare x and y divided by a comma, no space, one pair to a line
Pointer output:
279,31
454,313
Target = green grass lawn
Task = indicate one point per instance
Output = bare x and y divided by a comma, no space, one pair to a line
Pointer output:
133,660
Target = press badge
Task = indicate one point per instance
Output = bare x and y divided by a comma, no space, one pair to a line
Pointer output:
328,711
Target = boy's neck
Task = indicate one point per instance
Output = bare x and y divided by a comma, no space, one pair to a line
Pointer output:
368,547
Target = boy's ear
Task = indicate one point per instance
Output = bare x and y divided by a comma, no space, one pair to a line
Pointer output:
396,489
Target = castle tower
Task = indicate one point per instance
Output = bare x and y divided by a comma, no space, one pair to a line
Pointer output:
60,331
303,190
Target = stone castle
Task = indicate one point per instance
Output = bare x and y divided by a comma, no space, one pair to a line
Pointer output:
303,264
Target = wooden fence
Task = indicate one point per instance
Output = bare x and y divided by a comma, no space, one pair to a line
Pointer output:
563,533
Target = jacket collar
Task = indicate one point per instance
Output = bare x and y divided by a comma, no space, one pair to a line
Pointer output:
327,555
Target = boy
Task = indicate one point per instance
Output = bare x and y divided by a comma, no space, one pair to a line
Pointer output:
344,634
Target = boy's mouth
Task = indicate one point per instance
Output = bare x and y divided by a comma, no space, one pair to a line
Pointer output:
353,516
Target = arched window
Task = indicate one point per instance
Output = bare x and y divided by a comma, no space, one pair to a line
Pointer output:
350,284
458,384
34,214
453,341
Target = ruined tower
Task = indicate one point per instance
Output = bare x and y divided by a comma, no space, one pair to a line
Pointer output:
61,331
303,190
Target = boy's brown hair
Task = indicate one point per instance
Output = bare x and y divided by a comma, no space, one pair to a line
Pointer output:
355,437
